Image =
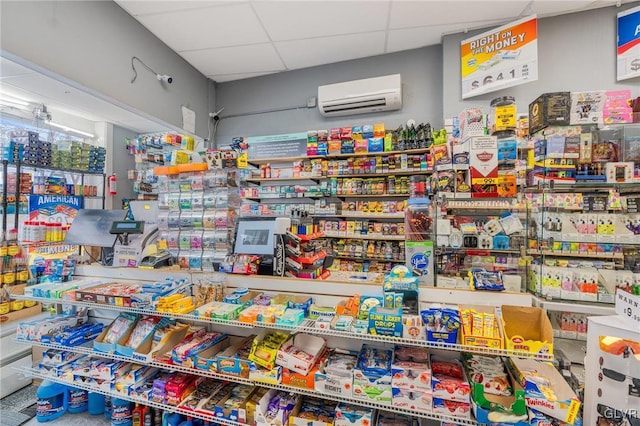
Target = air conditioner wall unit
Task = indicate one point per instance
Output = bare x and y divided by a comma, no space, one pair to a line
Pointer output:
361,96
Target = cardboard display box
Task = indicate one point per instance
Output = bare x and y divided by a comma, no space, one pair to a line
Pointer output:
527,329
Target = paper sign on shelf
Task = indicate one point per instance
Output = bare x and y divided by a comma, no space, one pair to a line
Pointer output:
628,307
503,57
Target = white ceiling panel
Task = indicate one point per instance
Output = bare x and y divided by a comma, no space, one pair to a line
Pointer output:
406,14
222,26
307,53
289,20
11,69
413,38
221,78
150,7
239,59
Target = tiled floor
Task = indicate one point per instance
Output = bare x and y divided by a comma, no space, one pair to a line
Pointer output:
82,419
12,405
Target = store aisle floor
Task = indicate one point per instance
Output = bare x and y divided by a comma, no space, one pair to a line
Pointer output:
82,419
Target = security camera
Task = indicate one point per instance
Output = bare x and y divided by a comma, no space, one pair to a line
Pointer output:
216,115
165,78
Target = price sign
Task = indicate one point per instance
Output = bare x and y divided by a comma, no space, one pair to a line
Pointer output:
628,48
500,58
628,307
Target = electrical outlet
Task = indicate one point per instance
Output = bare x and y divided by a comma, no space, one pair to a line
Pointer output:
311,102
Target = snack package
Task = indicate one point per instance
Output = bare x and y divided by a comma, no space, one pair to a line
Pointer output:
143,328
119,327
481,279
442,324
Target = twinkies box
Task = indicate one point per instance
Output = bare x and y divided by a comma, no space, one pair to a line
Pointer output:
545,389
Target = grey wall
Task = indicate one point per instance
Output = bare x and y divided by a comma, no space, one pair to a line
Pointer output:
576,52
122,163
421,72
92,42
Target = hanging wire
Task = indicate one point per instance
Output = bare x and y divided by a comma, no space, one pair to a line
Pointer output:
134,68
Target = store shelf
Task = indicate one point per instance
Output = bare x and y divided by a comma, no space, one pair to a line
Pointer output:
371,195
336,156
574,307
371,154
479,251
283,159
362,216
307,326
618,256
366,237
281,179
33,372
55,169
283,197
361,258
383,174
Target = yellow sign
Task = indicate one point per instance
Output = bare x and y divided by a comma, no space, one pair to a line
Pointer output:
243,161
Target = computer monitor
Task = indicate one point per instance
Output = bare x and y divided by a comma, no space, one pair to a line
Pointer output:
91,227
255,236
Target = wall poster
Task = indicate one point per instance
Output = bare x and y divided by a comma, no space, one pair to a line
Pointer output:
504,57
628,48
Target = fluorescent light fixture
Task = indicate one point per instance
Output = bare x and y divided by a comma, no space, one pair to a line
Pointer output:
70,129
8,98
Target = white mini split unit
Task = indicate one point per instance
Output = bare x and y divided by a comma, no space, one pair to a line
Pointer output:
361,96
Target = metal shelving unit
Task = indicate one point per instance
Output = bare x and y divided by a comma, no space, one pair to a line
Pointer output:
307,326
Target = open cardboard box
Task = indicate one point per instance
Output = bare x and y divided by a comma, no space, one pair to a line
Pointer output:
313,346
565,405
477,339
527,329
145,351
207,360
490,408
101,346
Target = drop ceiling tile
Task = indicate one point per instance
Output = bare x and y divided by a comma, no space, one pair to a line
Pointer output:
413,38
213,27
150,7
221,78
406,14
307,53
233,60
290,20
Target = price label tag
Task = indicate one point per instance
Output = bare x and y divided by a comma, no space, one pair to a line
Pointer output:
628,307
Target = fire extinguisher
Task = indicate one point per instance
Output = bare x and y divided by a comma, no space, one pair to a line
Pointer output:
113,185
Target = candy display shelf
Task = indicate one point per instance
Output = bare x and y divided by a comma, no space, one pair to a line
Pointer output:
373,175
380,259
307,326
281,179
34,372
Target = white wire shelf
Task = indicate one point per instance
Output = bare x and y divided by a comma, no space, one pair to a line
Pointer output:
34,372
307,326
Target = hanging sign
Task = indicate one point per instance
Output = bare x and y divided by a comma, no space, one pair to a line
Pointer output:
628,52
277,146
54,208
503,57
